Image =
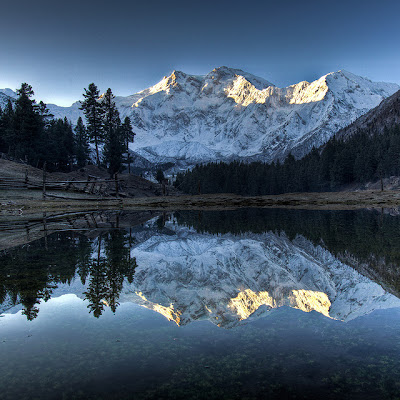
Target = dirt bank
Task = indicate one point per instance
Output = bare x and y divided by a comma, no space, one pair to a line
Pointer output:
330,200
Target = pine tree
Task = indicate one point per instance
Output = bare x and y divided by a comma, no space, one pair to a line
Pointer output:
114,140
127,132
160,175
58,145
7,131
68,143
45,114
128,136
81,144
28,125
94,112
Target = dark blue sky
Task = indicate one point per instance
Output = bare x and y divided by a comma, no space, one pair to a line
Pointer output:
59,48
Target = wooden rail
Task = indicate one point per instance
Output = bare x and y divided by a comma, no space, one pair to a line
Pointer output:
93,185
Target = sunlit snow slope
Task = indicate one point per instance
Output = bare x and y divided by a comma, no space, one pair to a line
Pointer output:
229,113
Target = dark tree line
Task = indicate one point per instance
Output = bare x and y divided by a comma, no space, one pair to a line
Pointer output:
28,132
361,158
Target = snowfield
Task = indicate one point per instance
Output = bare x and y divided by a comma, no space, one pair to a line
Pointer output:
231,114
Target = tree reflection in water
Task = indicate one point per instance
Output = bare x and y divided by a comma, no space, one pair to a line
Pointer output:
108,270
31,273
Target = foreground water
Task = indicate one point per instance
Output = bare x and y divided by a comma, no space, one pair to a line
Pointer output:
248,304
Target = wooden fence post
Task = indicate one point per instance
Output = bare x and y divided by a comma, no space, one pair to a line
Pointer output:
93,185
44,181
87,184
45,230
116,184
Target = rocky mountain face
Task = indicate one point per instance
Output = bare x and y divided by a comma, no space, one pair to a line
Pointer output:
385,115
230,114
227,114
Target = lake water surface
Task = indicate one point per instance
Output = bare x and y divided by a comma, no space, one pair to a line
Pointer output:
247,304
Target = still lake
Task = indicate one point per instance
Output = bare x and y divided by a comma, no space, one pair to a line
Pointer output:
246,304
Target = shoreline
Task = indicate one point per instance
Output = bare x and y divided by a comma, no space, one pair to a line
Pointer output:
312,200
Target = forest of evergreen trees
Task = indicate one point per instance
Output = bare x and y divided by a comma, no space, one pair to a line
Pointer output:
362,158
28,132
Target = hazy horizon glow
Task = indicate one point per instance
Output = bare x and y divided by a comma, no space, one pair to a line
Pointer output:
59,49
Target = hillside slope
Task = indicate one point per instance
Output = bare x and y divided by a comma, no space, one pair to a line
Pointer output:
386,114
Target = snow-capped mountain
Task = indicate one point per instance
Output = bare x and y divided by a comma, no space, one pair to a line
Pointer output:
229,113
5,95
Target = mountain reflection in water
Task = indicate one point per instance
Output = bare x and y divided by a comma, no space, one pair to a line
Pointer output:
221,266
247,304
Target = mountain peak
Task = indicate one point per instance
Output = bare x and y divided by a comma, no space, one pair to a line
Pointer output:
224,72
177,74
345,83
231,114
9,92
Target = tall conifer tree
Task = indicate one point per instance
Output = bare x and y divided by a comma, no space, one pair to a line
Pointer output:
114,140
28,125
128,136
93,110
7,121
81,143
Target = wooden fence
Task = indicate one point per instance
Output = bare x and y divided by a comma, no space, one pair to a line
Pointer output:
92,185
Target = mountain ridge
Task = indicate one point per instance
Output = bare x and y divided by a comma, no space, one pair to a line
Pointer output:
386,114
230,114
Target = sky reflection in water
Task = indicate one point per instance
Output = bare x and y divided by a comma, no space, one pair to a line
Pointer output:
76,346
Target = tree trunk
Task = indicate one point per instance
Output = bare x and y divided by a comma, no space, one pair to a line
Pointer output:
97,151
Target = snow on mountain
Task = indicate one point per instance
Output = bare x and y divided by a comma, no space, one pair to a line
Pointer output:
234,114
175,151
229,113
9,92
5,95
72,113
385,115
